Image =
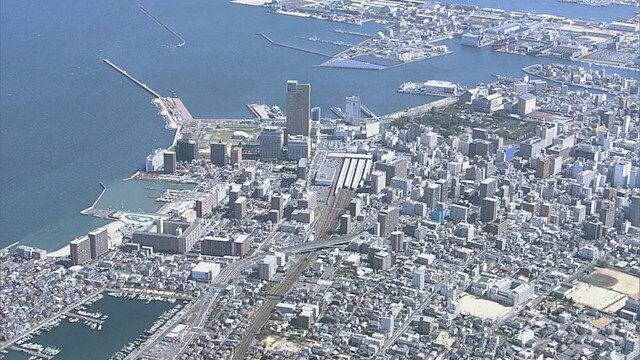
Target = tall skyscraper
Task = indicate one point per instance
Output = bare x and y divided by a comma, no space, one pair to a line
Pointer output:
298,108
220,153
186,150
169,162
352,110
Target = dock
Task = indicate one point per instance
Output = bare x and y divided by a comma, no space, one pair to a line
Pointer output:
136,81
264,36
181,42
30,352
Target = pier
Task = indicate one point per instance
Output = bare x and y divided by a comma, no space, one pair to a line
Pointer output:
292,47
86,318
136,81
30,352
182,41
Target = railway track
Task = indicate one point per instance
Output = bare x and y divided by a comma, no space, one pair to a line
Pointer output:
327,222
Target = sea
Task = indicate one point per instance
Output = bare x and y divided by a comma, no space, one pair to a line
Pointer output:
68,122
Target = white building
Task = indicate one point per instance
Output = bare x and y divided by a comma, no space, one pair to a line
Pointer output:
589,252
267,267
155,160
526,104
205,271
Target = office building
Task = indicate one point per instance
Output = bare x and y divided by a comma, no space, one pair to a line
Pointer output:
236,155
489,209
267,267
398,244
271,142
526,104
378,181
418,277
458,212
224,246
80,249
170,162
531,147
388,219
396,168
432,195
240,208
345,223
277,203
220,153
298,108
175,237
381,260
634,211
352,110
301,169
488,187
186,150
298,147
99,242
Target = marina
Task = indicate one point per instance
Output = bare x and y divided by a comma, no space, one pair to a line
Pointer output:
106,324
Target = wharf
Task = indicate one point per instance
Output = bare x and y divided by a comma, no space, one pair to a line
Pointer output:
184,112
167,294
30,352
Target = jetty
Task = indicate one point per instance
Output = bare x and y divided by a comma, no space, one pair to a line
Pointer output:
181,42
264,36
90,208
136,81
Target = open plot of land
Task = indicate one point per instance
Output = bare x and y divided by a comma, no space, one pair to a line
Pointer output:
615,280
279,343
482,308
596,297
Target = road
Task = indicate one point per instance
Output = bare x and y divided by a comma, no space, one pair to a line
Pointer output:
418,312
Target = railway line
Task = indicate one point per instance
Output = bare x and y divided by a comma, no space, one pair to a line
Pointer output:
327,222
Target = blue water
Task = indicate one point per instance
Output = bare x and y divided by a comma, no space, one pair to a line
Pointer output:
69,122
127,320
